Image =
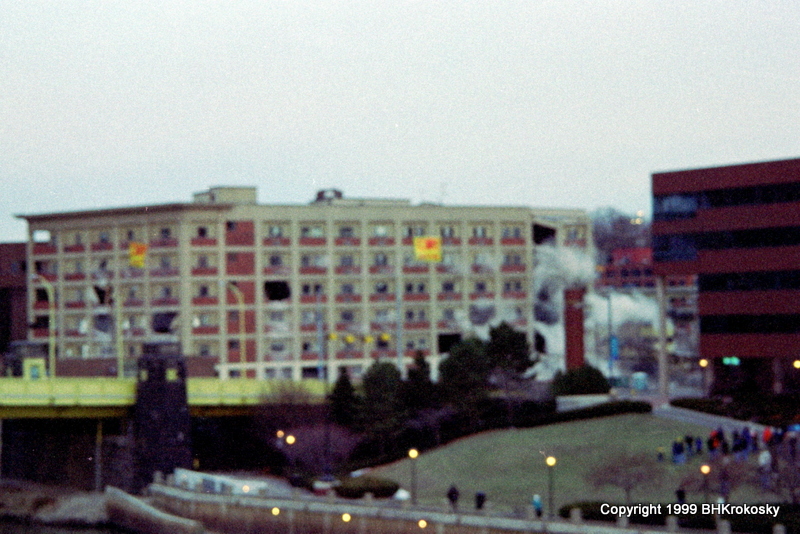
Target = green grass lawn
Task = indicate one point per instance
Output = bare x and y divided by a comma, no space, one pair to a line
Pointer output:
509,465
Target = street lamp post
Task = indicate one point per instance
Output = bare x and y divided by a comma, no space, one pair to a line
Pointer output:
703,363
705,469
551,466
613,346
413,454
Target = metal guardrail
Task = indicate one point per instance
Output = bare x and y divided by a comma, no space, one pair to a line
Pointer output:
113,392
266,510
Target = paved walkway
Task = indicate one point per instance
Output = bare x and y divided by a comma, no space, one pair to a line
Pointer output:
703,419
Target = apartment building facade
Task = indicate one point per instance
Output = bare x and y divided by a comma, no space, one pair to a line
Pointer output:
282,291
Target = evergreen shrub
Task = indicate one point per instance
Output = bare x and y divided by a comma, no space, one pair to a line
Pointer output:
585,380
357,487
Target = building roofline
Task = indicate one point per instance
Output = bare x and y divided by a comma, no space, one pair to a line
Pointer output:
131,210
730,165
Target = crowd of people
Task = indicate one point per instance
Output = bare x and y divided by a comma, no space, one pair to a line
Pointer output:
738,443
767,445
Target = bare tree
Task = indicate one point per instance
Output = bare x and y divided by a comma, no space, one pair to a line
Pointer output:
317,448
626,471
785,477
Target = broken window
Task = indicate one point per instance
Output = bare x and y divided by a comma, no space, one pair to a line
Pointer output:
277,290
543,234
162,322
446,341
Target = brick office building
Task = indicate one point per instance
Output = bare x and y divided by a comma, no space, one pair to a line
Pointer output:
13,326
292,275
738,228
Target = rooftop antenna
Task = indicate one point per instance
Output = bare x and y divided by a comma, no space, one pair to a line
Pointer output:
443,192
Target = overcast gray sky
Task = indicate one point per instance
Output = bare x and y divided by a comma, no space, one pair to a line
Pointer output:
540,103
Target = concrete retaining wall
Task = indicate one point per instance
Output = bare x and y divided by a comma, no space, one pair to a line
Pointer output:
134,514
267,515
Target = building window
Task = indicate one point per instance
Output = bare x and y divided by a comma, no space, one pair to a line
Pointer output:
512,285
381,287
202,261
348,316
275,231
415,288
346,231
677,247
448,287
165,233
104,237
202,231
275,260
346,261
480,232
413,231
380,230
312,231
204,319
447,231
311,316
230,226
311,289
514,232
204,350
381,260
276,317
348,289
311,260
675,206
480,287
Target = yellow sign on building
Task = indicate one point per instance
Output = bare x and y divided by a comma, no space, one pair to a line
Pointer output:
428,249
136,254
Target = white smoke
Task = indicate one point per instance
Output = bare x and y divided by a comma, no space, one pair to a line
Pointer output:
555,270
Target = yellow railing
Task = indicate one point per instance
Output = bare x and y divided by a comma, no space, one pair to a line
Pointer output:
107,392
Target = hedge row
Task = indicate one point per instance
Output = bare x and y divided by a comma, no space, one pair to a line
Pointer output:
775,410
357,487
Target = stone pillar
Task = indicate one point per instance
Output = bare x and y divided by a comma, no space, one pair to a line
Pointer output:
672,523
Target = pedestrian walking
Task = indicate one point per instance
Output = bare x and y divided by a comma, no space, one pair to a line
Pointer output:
452,496
537,505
